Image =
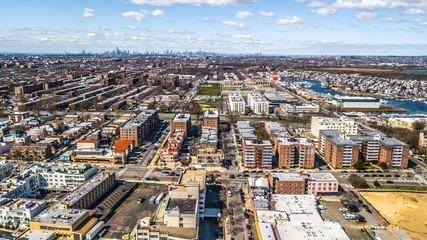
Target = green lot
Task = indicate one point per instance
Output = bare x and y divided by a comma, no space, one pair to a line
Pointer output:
211,90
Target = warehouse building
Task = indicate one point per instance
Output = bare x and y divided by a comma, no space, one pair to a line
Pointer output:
355,102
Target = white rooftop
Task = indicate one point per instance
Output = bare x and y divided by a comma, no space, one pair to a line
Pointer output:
295,204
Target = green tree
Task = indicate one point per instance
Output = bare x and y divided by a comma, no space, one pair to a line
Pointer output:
377,184
359,165
357,181
383,165
419,125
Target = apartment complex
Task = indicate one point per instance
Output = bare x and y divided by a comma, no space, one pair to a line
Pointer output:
209,138
5,170
181,121
88,193
67,176
294,153
236,103
343,125
171,150
344,151
211,119
16,117
35,151
257,153
258,103
140,127
18,213
339,151
393,153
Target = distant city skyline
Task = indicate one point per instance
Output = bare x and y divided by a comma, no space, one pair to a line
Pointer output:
271,27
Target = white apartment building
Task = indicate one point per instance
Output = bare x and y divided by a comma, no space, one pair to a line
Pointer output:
19,212
236,103
343,125
5,170
66,176
257,103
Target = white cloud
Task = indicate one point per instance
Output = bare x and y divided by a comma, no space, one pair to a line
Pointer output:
310,26
89,35
135,15
230,23
414,11
366,15
193,2
325,11
44,39
114,34
315,4
105,28
158,13
266,14
246,36
207,20
132,27
87,13
289,20
243,14
376,4
394,20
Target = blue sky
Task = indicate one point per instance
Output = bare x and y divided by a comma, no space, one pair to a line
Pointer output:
289,27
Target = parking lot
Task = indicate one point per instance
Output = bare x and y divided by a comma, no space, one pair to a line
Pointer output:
127,215
332,213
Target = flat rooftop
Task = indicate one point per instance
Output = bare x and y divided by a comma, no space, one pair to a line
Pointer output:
182,117
186,233
310,230
211,114
60,216
197,175
84,189
295,204
184,205
321,176
287,176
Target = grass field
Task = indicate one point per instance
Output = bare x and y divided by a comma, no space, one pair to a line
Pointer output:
210,104
413,188
402,209
362,69
211,90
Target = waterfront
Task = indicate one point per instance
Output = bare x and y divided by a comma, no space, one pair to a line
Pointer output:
410,106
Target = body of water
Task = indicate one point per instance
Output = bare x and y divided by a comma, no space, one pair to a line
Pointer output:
410,106
415,72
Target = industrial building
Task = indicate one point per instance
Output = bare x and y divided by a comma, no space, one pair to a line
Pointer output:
356,102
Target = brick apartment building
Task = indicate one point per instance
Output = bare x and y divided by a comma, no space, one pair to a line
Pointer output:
211,119
294,153
257,153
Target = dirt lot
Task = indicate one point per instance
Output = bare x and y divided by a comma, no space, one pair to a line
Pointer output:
402,209
128,214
